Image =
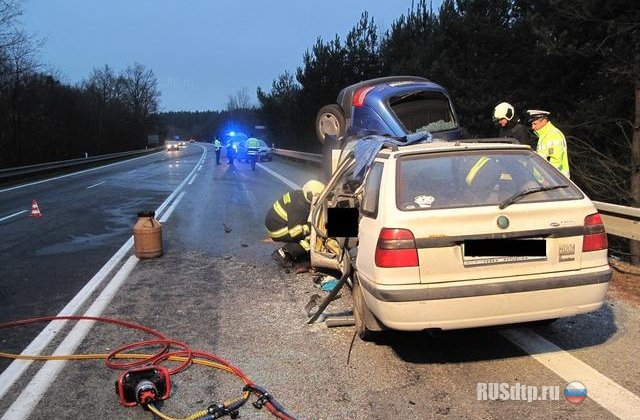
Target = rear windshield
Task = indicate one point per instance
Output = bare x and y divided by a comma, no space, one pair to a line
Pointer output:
423,111
478,178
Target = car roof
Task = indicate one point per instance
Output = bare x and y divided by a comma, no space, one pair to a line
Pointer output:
438,145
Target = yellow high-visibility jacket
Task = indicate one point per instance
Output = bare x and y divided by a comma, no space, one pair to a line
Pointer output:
553,147
286,220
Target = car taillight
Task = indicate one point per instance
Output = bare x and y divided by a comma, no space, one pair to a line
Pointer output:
358,97
595,237
396,248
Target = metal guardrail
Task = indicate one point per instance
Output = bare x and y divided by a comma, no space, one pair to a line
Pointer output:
310,157
618,220
42,167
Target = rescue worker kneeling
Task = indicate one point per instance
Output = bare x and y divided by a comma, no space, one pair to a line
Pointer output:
288,221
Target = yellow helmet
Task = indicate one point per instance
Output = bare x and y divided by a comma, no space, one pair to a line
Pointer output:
312,188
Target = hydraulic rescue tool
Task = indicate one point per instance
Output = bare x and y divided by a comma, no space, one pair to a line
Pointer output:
143,386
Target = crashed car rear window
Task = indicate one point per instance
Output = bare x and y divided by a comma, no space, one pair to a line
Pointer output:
476,178
423,111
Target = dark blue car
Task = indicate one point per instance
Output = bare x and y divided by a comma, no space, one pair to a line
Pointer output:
395,106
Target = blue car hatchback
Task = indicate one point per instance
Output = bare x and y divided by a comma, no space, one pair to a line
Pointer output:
395,106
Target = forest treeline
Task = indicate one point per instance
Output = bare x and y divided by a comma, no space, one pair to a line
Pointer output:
43,119
579,59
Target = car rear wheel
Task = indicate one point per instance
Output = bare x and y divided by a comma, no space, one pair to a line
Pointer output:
363,316
330,121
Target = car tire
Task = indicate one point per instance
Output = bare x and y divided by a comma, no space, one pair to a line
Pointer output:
363,316
330,121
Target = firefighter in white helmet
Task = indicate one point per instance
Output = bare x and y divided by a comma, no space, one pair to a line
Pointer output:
287,221
504,115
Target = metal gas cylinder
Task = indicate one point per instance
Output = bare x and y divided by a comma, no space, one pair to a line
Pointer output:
147,235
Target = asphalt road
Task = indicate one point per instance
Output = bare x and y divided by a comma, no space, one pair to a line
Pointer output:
217,289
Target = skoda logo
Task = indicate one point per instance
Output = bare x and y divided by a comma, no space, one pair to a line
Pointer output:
503,222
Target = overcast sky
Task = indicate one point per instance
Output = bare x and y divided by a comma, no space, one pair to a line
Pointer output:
201,51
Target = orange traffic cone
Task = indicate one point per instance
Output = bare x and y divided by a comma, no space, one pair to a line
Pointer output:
35,210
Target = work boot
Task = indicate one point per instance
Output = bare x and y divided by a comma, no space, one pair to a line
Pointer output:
279,256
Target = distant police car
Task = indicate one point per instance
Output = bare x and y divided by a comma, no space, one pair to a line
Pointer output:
264,152
463,234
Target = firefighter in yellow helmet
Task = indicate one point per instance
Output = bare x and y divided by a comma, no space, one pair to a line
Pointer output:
288,221
552,144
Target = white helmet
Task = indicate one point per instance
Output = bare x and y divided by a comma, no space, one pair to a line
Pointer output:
503,110
312,188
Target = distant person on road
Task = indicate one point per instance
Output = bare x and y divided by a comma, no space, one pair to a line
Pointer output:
504,114
253,143
288,221
231,152
552,144
217,145
253,148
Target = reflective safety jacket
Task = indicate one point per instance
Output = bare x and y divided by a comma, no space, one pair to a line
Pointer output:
287,219
553,147
484,176
217,145
253,143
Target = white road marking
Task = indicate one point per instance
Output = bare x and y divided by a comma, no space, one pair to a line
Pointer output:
72,174
95,185
170,210
281,178
193,178
614,398
34,391
13,372
252,201
12,215
17,367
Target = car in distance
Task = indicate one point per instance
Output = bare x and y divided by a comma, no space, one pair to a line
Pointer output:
394,106
172,146
264,152
461,234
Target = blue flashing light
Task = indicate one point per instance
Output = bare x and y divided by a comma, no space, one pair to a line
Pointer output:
232,133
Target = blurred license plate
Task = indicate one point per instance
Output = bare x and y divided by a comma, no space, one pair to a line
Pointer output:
501,251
